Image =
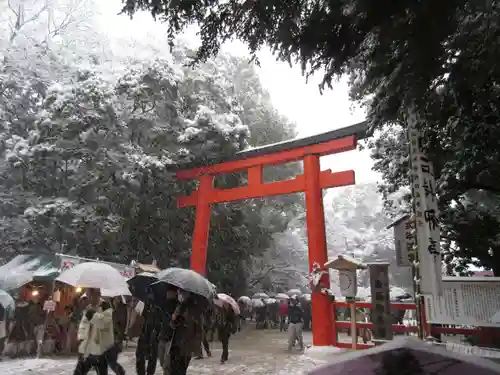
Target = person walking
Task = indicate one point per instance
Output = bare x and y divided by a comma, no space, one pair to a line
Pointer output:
206,326
296,319
283,315
119,327
95,335
166,333
226,325
3,328
184,324
147,345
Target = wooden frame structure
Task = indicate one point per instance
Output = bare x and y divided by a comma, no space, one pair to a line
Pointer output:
312,182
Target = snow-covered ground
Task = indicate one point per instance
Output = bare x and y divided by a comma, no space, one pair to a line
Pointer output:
252,352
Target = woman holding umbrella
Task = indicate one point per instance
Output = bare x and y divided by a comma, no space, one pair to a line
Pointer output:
186,323
95,335
194,293
147,346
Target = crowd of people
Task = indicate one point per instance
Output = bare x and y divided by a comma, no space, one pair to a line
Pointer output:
175,329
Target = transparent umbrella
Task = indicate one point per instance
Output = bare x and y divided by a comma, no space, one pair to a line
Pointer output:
187,280
260,295
93,275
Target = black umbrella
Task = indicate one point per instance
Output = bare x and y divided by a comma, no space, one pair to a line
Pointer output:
140,284
187,280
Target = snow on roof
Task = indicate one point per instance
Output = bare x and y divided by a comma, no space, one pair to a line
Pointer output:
344,262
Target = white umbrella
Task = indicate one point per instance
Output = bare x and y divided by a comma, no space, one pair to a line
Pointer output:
269,301
115,292
260,296
294,292
306,297
282,296
221,298
94,275
257,303
244,299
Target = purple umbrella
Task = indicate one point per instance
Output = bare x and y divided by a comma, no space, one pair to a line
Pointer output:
407,356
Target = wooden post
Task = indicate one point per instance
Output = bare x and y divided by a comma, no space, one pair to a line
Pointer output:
354,331
322,319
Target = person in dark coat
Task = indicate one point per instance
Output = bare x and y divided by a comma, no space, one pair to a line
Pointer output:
296,319
166,333
185,322
206,326
226,326
3,328
147,345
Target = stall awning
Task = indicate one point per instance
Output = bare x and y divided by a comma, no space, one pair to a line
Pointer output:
25,268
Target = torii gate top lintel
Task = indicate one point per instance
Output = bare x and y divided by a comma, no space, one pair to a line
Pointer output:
335,141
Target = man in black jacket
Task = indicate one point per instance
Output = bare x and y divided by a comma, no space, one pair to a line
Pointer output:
147,345
296,319
166,331
226,325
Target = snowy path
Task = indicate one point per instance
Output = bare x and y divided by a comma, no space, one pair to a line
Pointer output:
252,352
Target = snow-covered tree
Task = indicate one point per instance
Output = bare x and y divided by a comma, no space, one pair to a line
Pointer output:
89,147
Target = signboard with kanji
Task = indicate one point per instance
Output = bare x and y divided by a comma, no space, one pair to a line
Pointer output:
49,306
468,301
426,212
381,306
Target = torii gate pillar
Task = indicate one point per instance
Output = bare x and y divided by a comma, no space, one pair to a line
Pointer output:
312,182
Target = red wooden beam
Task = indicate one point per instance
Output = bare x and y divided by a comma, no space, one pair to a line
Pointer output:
395,327
258,190
368,305
331,147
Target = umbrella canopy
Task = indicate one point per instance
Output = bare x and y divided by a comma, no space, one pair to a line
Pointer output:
306,297
115,292
260,296
257,303
7,302
140,284
244,299
294,292
94,275
221,298
187,280
270,301
282,296
407,356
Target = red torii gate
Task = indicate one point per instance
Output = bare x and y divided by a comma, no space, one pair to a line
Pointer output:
312,182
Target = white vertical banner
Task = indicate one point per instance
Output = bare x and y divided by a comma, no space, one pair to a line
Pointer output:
423,188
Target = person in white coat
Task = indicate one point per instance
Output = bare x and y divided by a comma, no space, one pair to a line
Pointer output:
95,337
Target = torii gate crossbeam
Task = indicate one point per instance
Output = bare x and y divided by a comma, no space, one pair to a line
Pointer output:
312,182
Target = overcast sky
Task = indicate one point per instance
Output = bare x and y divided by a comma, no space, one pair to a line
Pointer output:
300,102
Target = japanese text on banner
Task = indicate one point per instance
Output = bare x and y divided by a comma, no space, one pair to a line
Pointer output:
423,187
